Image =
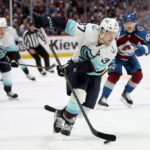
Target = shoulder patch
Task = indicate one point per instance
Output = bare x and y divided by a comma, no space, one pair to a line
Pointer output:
140,28
147,37
94,27
120,28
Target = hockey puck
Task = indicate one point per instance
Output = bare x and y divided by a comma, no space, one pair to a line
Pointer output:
107,142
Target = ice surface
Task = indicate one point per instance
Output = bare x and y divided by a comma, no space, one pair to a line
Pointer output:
25,125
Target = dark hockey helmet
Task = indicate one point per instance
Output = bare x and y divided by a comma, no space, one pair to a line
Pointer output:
129,17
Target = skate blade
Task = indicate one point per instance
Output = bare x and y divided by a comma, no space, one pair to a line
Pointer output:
124,101
10,98
100,107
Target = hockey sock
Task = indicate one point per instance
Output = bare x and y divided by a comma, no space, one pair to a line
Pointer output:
110,83
71,111
7,85
134,81
25,70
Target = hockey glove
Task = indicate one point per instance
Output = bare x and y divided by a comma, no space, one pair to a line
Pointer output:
13,63
41,21
71,67
141,50
58,23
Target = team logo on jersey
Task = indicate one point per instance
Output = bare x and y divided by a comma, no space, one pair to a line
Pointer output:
140,28
127,49
113,50
95,28
147,37
120,28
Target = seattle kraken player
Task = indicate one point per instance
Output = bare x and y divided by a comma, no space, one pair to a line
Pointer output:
97,48
6,44
133,41
17,40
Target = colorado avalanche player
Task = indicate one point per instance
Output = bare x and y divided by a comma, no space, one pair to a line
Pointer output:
97,48
6,44
133,41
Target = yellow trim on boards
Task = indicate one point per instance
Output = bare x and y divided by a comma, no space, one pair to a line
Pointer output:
51,55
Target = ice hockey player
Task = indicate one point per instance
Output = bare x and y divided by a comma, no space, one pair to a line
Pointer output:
133,41
97,48
17,40
7,44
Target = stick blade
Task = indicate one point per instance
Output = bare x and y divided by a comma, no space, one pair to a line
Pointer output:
48,108
109,137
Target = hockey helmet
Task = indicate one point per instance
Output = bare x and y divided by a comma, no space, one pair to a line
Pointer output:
129,17
3,22
109,24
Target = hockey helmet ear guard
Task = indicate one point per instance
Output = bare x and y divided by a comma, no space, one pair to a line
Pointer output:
3,22
129,17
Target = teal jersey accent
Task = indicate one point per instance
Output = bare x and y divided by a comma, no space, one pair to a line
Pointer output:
17,39
2,52
72,107
12,49
97,66
70,27
86,53
7,82
23,66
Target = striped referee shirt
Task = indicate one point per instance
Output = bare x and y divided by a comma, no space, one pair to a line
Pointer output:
31,39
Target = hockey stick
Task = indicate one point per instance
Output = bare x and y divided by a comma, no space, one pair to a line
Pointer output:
4,62
105,136
49,108
111,67
50,67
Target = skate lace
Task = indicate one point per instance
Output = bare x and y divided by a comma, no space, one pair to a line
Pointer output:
59,122
128,96
67,127
11,94
29,76
104,100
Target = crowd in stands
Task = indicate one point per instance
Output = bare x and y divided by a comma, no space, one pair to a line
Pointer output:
80,10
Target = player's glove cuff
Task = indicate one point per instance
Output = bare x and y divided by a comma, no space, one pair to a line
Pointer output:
13,63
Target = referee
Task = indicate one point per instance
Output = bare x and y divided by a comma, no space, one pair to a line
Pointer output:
31,42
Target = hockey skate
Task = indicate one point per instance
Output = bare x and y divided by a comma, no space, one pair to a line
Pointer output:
66,130
43,73
102,104
50,70
126,99
12,95
58,121
69,122
30,77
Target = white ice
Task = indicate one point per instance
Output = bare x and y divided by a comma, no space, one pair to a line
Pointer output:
25,125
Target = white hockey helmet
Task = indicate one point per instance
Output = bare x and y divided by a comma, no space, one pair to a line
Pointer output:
3,22
109,24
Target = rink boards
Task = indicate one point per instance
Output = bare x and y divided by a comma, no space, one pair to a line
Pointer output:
65,46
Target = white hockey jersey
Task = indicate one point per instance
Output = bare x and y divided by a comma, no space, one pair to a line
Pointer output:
7,44
13,32
87,36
